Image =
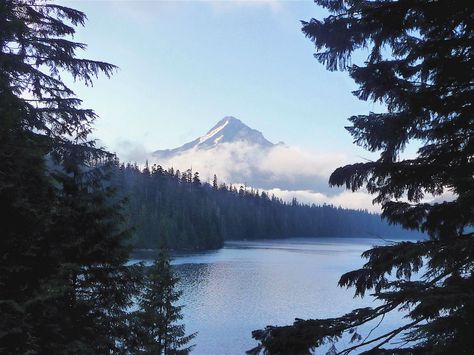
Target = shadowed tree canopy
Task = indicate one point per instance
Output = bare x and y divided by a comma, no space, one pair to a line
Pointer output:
420,64
157,319
191,216
64,286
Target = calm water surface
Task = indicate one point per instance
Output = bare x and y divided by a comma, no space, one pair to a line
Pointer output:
248,285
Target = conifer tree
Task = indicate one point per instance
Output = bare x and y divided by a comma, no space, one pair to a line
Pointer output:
196,179
63,284
90,232
158,315
420,64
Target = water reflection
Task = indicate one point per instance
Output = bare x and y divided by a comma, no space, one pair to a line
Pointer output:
248,285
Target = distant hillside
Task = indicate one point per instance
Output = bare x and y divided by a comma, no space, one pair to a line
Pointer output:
167,205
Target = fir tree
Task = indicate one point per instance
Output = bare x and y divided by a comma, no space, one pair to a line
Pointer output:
90,234
196,179
158,314
421,65
63,284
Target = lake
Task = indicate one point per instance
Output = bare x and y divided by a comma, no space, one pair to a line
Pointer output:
245,286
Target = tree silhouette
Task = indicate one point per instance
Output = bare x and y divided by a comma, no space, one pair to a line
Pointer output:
158,315
64,286
420,65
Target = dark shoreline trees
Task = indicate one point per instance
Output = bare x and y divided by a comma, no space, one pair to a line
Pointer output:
188,215
420,64
64,287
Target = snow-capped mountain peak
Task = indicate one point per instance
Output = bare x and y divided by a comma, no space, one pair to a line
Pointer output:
227,130
213,132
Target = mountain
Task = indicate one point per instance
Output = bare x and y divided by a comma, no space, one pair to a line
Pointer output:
241,155
227,130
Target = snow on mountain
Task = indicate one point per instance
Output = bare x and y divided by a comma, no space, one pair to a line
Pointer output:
238,154
227,130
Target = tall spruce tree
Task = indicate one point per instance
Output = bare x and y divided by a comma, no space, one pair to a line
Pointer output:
63,284
158,315
420,64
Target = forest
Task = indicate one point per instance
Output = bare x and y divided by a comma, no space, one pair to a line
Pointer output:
166,205
69,222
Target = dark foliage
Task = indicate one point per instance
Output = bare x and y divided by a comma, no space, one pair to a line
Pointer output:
176,208
63,284
157,328
420,64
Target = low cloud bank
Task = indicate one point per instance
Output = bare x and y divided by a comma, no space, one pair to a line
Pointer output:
280,167
347,199
286,172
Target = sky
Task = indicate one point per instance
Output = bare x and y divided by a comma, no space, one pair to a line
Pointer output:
184,65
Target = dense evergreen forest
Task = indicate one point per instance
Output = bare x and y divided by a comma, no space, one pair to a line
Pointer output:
177,208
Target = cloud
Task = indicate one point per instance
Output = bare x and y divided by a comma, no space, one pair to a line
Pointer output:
286,172
282,167
446,196
131,151
347,199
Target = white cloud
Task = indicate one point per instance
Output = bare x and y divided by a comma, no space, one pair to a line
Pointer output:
130,151
347,199
284,171
278,167
295,161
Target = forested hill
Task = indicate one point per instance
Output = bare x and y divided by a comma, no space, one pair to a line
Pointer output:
176,207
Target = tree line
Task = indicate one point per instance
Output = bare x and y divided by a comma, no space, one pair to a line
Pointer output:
166,205
65,283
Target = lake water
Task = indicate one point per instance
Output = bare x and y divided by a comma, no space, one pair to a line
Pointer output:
247,285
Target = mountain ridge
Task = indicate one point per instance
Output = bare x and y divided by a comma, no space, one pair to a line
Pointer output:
228,130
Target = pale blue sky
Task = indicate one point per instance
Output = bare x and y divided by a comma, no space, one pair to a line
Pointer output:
186,64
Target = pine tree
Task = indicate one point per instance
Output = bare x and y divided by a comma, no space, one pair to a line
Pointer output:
64,286
26,199
421,65
196,179
97,285
158,314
